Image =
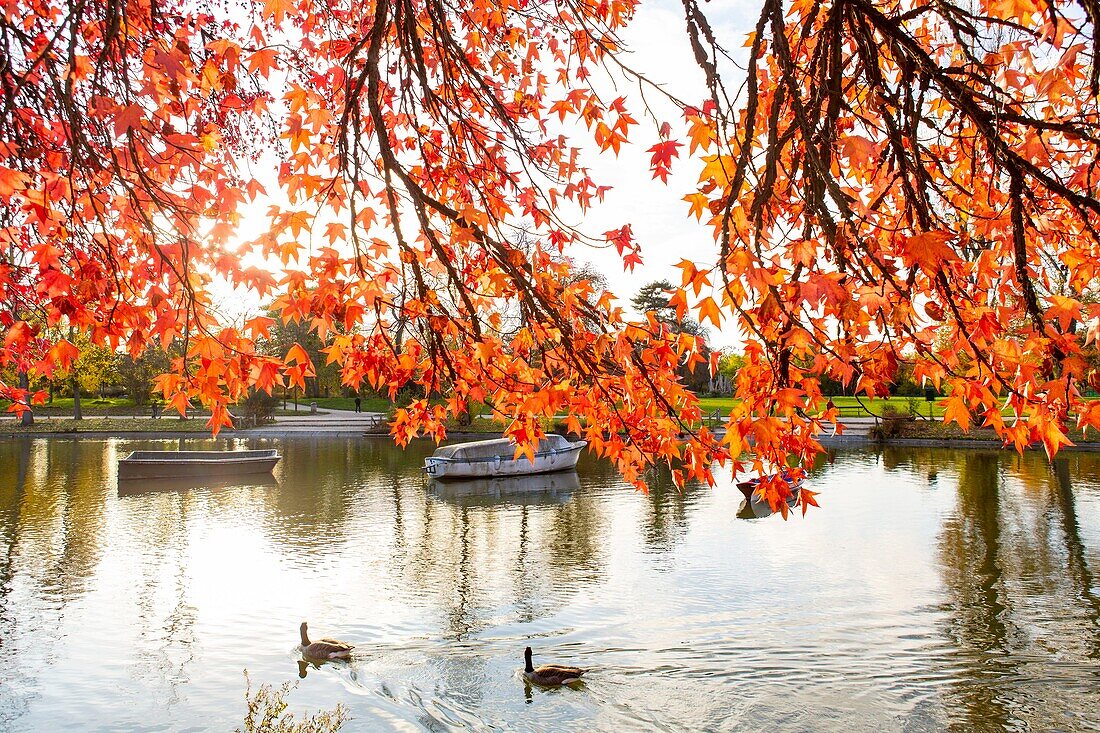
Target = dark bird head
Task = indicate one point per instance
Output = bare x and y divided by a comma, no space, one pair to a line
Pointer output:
527,667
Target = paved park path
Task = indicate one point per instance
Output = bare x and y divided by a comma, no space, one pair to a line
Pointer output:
323,422
326,422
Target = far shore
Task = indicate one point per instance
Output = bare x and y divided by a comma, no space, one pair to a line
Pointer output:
971,443
195,428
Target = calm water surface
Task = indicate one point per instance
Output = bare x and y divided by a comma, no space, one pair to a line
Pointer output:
935,589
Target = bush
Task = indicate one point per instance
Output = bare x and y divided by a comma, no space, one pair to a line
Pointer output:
267,713
892,424
258,408
405,396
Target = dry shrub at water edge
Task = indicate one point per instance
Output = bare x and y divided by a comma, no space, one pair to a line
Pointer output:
267,713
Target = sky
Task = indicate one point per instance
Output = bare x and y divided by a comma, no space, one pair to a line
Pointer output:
659,49
657,46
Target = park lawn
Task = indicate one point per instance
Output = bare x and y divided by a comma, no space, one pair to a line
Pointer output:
92,406
65,404
925,430
104,425
123,405
847,404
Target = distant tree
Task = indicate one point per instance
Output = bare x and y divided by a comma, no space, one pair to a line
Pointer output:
96,368
25,418
832,387
906,383
587,271
655,298
137,375
93,369
284,334
729,364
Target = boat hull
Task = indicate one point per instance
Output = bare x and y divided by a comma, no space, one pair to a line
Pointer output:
196,464
546,462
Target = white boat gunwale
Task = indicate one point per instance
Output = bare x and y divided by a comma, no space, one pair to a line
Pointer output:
555,451
199,456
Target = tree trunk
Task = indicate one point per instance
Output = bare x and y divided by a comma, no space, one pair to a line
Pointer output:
27,418
77,413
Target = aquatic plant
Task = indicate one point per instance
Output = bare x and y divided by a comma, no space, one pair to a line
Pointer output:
268,712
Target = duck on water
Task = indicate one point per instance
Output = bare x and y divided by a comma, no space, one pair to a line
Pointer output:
549,675
324,648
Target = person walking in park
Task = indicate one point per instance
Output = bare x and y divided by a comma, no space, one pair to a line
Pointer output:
358,404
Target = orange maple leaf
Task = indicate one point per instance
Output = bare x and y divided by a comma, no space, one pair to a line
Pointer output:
929,250
708,309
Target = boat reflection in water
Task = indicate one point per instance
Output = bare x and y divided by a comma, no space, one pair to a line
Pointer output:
547,488
137,486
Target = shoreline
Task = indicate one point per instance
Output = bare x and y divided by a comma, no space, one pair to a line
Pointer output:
975,443
827,442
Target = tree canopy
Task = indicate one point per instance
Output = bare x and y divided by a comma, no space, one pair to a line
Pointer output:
887,182
656,297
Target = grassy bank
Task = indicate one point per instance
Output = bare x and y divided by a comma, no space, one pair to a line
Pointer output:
104,425
124,407
929,430
90,406
849,406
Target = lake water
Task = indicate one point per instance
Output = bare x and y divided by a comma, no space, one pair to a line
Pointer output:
935,589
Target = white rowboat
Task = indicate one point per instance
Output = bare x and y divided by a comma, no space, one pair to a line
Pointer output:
485,458
748,488
196,463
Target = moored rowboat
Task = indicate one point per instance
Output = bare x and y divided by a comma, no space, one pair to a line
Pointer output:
748,488
484,458
196,464
756,508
